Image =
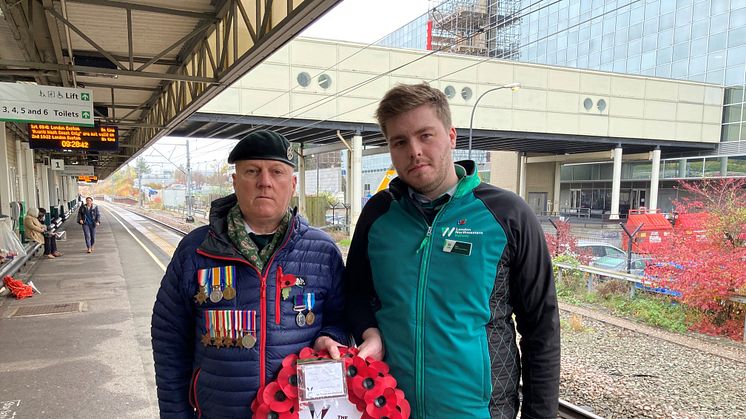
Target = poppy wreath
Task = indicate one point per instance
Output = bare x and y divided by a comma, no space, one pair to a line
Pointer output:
370,388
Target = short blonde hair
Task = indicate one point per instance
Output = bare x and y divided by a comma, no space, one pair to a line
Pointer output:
404,97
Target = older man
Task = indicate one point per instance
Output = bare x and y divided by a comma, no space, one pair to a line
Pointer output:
439,264
240,294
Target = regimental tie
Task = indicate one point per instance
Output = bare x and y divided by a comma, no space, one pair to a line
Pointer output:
230,328
216,284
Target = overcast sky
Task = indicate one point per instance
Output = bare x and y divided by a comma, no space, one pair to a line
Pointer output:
363,21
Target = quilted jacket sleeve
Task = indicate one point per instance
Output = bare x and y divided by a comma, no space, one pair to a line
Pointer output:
172,331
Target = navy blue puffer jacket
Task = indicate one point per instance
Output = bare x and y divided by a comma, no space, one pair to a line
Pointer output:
209,382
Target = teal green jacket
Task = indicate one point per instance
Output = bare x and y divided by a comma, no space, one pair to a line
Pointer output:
444,295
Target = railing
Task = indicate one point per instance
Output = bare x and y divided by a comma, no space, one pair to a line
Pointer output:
10,268
632,279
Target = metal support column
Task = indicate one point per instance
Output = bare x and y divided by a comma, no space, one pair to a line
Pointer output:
724,165
302,183
43,170
616,183
5,185
557,189
28,155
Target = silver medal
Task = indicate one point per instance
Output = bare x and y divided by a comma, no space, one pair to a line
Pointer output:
300,319
216,295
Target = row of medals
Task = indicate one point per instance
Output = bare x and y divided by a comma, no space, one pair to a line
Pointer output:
216,294
246,341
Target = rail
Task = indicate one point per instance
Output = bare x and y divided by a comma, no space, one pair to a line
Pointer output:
10,268
568,410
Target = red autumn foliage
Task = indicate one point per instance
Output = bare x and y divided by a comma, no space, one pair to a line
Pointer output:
563,242
708,266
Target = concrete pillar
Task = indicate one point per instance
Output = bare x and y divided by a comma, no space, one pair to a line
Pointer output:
5,181
522,178
302,184
556,196
654,177
30,186
504,168
20,172
616,184
43,170
724,166
356,173
682,168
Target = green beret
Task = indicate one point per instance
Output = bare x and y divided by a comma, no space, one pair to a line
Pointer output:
263,145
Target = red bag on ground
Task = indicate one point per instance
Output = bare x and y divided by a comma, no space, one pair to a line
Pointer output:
18,288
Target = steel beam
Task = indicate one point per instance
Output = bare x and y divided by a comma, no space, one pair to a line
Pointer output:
147,8
112,71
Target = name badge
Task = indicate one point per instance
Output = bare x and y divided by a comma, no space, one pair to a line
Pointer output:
457,247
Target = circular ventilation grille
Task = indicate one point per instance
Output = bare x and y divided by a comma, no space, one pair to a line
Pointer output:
587,104
449,91
466,93
304,79
325,81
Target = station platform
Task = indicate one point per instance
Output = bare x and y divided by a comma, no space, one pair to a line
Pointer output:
94,359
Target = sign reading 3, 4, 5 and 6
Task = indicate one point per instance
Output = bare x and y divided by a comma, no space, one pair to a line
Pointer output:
45,104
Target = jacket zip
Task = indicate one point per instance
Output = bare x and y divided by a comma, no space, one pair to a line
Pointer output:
194,393
262,298
426,245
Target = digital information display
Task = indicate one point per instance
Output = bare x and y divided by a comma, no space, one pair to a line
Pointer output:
69,137
88,178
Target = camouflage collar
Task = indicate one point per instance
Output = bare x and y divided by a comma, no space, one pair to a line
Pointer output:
248,249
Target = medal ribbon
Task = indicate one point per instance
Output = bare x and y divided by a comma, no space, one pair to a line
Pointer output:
228,324
251,315
214,277
310,300
298,303
213,323
230,271
202,277
208,328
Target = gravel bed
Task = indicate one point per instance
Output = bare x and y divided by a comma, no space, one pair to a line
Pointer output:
621,373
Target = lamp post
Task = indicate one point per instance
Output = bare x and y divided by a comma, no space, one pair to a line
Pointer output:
512,86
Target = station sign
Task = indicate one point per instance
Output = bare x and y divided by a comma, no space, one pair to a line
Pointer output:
20,102
70,137
88,178
77,170
57,164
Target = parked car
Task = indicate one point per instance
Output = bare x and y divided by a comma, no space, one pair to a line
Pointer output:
612,263
599,250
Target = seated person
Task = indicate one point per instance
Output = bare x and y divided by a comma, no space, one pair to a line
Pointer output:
50,239
35,229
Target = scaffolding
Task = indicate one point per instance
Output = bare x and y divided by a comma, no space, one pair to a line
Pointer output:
475,27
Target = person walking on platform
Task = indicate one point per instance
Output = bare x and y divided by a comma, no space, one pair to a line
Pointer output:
438,266
89,218
239,295
35,231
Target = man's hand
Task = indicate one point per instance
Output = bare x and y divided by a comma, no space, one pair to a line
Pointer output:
80,222
328,344
372,345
